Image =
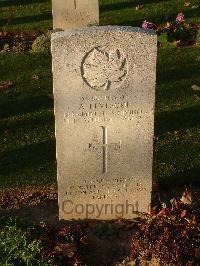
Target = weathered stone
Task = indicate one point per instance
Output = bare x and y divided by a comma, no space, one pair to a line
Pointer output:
104,86
70,14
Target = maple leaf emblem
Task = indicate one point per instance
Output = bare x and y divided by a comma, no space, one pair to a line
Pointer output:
103,70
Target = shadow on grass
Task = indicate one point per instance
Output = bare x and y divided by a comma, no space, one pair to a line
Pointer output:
47,211
169,187
125,4
29,123
176,120
6,3
176,73
26,19
189,178
25,105
32,156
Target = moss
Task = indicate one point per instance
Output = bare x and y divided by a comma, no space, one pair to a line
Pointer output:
42,43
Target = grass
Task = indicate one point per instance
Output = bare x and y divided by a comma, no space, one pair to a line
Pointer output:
25,14
28,145
123,12
36,14
177,124
27,142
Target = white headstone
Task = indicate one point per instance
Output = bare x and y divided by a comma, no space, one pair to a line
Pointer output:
70,14
104,86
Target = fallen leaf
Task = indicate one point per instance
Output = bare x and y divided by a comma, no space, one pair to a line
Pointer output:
183,213
68,250
131,263
196,96
163,212
186,197
174,203
139,7
35,77
186,3
6,47
6,84
195,88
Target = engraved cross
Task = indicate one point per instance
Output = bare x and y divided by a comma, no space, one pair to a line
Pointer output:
105,147
75,4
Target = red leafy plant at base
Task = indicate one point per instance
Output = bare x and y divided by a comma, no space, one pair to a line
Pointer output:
61,246
170,237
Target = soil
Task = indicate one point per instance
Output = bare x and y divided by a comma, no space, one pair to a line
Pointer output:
35,205
17,41
32,204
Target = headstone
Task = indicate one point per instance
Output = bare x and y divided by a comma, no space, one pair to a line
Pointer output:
70,14
104,86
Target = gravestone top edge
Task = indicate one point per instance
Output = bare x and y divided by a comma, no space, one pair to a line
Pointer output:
94,29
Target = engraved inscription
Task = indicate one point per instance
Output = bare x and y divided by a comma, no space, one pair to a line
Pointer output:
107,108
102,189
103,70
103,116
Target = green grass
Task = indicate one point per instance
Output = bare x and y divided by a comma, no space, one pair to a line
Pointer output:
123,12
25,14
27,142
36,14
27,127
177,123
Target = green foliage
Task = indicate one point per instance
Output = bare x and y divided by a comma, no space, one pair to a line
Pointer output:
40,245
163,38
17,249
174,34
198,39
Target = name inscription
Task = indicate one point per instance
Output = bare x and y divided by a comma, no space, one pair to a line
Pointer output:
103,109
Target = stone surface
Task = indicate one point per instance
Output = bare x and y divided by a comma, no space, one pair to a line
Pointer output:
70,14
104,86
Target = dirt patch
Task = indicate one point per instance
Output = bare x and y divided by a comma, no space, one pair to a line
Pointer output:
109,242
18,41
107,249
30,204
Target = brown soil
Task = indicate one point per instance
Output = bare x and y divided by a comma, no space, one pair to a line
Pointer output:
35,205
108,250
31,204
17,41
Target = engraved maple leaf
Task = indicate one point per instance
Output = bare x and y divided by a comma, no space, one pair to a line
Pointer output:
101,69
